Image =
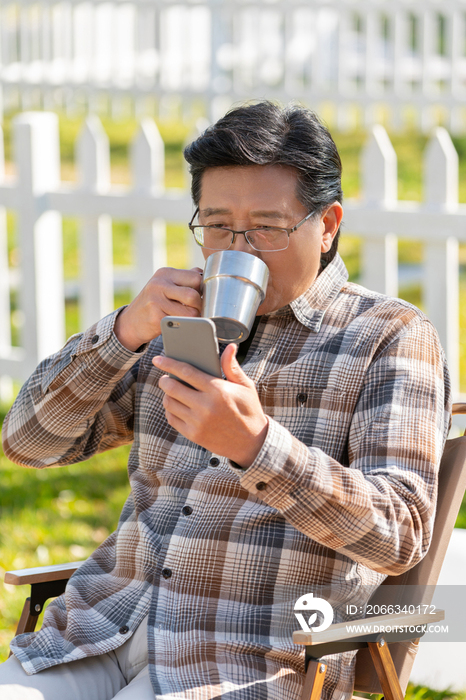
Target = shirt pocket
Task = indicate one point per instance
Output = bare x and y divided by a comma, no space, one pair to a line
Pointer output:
317,417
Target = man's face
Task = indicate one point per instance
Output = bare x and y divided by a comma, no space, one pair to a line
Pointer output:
242,198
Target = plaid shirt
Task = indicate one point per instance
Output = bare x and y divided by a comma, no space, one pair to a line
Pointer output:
341,494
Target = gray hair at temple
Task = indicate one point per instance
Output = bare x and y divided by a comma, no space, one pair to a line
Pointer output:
268,134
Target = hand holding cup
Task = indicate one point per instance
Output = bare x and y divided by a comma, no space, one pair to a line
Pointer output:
169,292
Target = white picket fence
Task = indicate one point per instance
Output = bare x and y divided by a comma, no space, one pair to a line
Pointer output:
39,198
405,56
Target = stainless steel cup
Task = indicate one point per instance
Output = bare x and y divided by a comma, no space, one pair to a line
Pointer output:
234,287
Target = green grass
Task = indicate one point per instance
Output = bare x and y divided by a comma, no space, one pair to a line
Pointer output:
421,692
53,516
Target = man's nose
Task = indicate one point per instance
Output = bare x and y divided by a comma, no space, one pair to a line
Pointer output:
242,245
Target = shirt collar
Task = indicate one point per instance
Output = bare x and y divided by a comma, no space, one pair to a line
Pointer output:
310,307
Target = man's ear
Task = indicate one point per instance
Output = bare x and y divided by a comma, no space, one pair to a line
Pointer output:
331,220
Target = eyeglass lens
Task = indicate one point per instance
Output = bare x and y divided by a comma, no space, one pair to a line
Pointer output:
259,239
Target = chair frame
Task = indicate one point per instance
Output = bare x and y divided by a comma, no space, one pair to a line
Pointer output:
50,581
46,582
337,639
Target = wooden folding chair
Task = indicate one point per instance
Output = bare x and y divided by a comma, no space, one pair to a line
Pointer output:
384,663
378,668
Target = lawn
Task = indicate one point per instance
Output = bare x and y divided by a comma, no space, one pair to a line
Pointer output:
56,515
52,516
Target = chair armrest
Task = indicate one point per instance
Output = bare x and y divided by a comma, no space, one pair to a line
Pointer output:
340,631
42,574
46,582
458,409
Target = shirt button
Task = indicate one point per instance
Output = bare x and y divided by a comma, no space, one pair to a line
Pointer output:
302,398
214,462
261,486
187,510
124,629
166,573
94,339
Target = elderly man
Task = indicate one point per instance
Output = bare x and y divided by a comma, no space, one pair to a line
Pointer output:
312,468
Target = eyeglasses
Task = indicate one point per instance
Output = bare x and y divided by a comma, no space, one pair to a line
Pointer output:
264,238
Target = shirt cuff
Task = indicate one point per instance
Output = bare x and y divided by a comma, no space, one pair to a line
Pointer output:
102,334
280,462
97,350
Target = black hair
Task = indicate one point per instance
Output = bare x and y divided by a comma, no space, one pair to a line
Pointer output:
267,134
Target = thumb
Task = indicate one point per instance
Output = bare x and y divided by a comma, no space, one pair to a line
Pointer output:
231,366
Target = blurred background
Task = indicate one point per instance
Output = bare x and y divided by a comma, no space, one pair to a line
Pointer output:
97,100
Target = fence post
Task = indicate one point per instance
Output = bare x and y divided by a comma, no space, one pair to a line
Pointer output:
399,29
5,328
454,42
343,89
6,386
441,262
148,170
379,174
372,38
39,236
93,160
429,38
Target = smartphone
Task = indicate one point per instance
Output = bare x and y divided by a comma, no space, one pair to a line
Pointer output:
192,340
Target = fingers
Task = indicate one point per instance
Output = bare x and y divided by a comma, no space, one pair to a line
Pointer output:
194,377
181,286
232,368
183,409
173,407
175,422
183,296
200,380
185,278
181,306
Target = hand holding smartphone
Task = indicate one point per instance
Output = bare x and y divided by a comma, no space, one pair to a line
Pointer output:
192,340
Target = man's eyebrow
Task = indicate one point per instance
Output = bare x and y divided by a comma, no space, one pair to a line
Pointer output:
266,214
210,211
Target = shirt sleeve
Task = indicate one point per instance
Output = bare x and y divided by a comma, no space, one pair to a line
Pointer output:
78,402
378,509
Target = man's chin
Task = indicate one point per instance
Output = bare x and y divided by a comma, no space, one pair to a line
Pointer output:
268,307
263,309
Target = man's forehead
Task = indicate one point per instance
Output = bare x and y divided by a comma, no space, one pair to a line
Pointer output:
264,189
241,171
223,211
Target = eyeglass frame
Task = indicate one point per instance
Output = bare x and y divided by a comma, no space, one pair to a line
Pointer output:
234,233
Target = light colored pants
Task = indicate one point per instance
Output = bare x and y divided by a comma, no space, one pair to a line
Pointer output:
121,674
